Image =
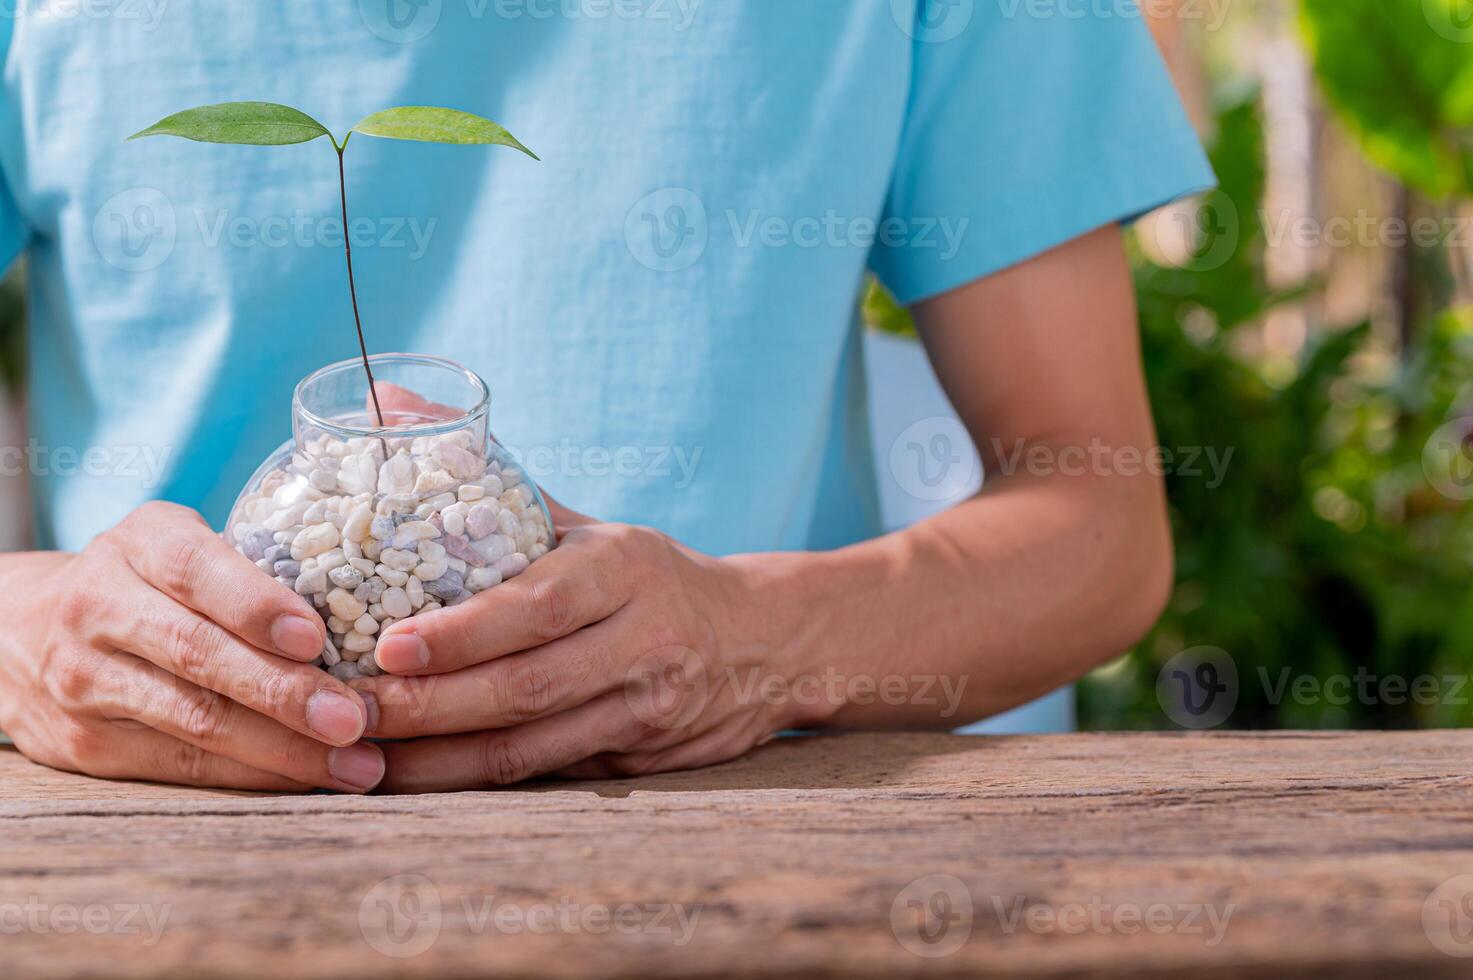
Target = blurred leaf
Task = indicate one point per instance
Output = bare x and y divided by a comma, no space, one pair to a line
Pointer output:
880,311
1402,85
250,123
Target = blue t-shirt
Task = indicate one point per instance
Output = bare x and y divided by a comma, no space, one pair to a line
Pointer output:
664,307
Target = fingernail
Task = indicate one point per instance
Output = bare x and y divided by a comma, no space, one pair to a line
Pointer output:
334,717
402,653
357,766
296,637
371,703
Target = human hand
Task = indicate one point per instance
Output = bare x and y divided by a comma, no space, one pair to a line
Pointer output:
618,653
160,653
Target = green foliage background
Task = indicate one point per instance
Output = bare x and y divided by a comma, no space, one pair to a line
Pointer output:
1327,550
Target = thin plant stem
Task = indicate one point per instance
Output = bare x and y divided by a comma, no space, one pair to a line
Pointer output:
352,289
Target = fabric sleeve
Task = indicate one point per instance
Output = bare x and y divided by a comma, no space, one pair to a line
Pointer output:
1028,124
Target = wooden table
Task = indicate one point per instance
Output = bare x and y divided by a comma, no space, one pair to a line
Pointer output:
1229,855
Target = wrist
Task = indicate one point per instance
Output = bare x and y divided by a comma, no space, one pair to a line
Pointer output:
818,621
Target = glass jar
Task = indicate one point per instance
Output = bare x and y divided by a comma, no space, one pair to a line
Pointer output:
373,524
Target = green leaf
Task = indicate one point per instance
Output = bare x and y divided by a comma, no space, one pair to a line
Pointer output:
431,124
1399,72
250,123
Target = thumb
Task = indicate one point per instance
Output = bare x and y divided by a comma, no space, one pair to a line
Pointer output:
394,400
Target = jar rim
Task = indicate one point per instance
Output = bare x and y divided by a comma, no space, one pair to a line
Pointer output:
438,426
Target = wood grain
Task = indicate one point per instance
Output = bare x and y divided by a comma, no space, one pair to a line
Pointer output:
1319,849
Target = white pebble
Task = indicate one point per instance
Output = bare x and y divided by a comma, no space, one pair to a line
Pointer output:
396,603
507,524
416,592
358,643
481,521
397,475
365,624
480,579
433,483
428,571
454,522
329,560
401,561
314,541
345,605
392,575
462,463
359,474
511,566
312,582
356,528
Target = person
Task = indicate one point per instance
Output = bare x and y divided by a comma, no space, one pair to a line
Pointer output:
674,286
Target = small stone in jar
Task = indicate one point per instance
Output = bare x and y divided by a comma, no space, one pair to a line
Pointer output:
432,483
447,586
430,570
396,603
372,590
397,475
401,561
481,521
512,565
458,547
346,577
392,575
312,582
481,579
345,605
315,540
254,542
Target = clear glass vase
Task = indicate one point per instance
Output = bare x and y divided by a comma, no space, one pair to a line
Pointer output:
373,524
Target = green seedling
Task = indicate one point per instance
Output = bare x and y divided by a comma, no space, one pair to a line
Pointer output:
270,124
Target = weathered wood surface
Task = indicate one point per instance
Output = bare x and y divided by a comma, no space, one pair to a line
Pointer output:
1321,850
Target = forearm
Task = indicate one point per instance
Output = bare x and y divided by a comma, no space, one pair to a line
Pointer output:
986,606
